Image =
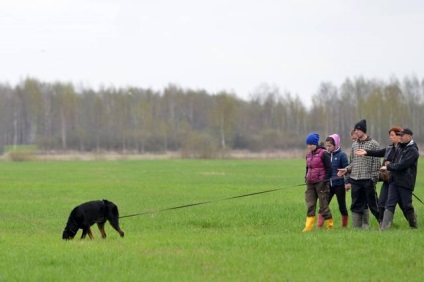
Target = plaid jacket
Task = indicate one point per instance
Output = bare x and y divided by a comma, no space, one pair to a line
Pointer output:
364,167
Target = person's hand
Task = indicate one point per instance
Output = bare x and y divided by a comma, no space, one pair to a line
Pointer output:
360,152
348,186
341,172
383,167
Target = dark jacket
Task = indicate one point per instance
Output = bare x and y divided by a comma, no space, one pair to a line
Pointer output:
338,160
404,167
388,153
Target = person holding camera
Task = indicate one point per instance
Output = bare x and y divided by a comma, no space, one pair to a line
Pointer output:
388,155
403,172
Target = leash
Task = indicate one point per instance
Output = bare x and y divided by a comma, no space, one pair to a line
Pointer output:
231,198
418,198
212,201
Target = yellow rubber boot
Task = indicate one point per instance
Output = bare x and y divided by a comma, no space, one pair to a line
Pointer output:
310,221
329,223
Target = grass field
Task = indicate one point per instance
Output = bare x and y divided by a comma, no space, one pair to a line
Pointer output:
255,238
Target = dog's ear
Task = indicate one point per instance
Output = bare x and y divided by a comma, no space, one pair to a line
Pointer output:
109,205
111,208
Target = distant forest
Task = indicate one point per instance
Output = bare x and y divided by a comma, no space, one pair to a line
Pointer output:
61,116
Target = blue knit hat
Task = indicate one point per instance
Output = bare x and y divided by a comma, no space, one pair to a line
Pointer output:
312,139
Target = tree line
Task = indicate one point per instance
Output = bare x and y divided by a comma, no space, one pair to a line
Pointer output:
61,116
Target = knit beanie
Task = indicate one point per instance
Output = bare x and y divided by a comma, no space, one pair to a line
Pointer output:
361,125
312,139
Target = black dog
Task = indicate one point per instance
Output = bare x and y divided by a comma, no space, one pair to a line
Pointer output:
85,215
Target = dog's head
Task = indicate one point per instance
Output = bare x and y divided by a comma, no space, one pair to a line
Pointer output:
70,230
68,234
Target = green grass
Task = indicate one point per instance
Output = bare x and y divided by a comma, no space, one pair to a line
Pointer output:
256,238
20,148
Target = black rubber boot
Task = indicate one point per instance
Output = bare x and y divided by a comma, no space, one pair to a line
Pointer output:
357,220
412,219
387,220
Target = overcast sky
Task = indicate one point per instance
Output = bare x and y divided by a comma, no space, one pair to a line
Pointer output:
232,45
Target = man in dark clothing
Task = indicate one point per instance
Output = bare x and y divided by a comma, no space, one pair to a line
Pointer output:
363,176
403,170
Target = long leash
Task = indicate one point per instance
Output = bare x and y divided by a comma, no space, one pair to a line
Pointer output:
418,198
229,198
212,201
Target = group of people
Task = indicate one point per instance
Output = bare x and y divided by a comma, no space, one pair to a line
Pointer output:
330,172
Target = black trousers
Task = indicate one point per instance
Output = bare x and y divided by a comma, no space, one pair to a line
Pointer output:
340,192
382,198
401,196
364,194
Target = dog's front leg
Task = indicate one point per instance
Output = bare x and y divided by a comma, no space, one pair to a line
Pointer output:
90,234
115,224
101,226
84,232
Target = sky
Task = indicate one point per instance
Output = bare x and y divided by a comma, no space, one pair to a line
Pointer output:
220,45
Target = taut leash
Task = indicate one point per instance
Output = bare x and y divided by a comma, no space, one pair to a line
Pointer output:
418,198
212,201
230,198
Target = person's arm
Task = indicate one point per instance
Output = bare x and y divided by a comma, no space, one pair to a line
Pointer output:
344,160
326,159
376,153
347,169
375,161
351,156
306,168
